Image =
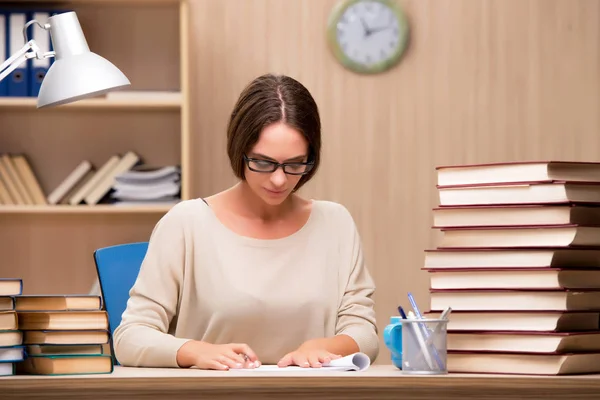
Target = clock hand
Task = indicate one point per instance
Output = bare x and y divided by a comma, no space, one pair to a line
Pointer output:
375,30
365,27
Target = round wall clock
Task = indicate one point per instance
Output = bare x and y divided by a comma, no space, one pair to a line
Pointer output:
367,36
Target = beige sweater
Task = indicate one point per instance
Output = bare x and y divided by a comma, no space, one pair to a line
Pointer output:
202,281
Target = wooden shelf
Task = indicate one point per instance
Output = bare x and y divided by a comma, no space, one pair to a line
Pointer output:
82,209
99,103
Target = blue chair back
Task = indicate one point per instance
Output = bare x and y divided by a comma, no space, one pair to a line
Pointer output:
117,268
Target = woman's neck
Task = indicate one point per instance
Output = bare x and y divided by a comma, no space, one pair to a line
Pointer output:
249,205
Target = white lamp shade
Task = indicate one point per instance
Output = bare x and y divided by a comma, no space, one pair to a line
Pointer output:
76,73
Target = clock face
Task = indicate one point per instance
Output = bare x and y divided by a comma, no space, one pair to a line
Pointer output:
368,35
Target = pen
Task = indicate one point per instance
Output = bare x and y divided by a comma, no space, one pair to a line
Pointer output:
425,330
421,340
402,313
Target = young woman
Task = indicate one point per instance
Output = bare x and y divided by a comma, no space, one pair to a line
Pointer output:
254,274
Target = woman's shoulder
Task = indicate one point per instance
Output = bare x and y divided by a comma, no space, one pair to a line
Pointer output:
186,211
333,213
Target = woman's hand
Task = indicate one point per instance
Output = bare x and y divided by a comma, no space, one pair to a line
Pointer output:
216,356
307,357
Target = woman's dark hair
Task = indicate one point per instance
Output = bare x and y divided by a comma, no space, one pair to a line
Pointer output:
266,100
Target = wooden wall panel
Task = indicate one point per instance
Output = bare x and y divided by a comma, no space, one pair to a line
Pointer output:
482,81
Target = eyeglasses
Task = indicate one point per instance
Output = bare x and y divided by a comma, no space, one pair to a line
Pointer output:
266,166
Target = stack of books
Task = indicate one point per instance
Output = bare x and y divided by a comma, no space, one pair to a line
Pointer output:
144,184
11,338
63,335
519,264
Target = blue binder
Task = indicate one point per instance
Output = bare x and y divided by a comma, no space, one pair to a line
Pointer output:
3,50
39,68
18,82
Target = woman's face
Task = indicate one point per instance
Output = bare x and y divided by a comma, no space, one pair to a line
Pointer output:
279,143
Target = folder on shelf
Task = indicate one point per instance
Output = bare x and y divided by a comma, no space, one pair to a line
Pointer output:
3,50
18,85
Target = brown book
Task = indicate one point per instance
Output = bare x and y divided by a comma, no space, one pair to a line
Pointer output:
39,364
512,258
514,299
523,363
524,171
63,320
57,349
11,286
18,182
89,175
543,321
57,302
5,197
515,215
9,182
67,185
522,236
7,303
525,278
8,320
526,193
519,342
28,178
11,338
64,337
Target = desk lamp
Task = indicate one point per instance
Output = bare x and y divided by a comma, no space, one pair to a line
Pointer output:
76,73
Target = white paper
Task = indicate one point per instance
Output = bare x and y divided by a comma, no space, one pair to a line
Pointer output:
352,362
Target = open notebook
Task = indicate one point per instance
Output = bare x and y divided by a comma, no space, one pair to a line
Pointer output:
352,362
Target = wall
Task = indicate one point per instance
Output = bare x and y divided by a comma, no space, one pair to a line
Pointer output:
482,81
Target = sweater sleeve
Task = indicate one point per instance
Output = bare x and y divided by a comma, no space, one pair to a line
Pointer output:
356,313
142,338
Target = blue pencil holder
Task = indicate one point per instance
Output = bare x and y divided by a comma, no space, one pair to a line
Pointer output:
392,337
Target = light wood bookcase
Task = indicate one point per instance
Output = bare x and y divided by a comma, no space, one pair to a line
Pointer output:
51,247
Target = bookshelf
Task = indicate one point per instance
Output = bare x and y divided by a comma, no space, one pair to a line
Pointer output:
51,246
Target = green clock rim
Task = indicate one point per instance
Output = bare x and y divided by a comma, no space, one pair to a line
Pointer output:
381,66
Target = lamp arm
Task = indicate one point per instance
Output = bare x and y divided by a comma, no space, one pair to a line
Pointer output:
14,61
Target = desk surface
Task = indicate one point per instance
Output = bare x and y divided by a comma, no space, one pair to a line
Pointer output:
378,382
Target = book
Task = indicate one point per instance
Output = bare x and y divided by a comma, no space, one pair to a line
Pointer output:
512,258
58,302
523,171
13,354
64,349
11,337
515,215
41,364
523,363
79,173
526,193
524,342
66,337
524,278
518,237
63,320
11,286
8,320
523,320
514,299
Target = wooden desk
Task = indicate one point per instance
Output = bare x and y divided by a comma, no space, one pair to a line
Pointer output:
378,383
